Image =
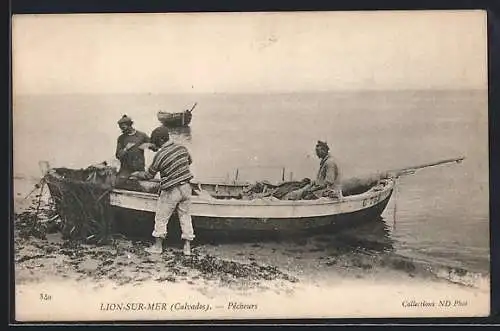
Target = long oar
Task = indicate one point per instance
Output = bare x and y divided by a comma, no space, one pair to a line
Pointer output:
413,169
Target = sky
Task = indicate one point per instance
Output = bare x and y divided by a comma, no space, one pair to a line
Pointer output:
248,52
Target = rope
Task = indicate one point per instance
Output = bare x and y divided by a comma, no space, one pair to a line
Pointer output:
394,213
37,186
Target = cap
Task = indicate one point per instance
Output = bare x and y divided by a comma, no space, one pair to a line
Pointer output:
125,119
322,144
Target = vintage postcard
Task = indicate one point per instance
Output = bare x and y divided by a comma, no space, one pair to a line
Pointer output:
250,166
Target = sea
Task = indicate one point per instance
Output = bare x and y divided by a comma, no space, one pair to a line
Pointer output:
438,215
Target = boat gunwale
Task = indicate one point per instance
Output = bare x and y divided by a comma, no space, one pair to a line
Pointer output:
215,183
270,203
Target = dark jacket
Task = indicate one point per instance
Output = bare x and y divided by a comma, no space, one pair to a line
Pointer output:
132,159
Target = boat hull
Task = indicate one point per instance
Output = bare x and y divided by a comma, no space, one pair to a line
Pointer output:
267,215
175,119
285,226
139,224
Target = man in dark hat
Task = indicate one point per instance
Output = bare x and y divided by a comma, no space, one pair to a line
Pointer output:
172,161
130,148
327,183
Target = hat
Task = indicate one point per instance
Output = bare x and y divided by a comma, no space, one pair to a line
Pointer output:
125,119
161,132
322,144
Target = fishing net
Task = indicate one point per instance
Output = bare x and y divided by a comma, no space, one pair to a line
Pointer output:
359,185
300,190
81,198
139,186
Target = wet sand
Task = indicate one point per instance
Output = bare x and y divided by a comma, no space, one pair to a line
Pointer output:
300,278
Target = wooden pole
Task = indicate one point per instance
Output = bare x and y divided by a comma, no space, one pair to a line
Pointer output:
192,108
409,170
39,200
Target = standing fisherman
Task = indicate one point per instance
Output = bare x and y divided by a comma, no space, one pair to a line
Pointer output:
172,161
130,148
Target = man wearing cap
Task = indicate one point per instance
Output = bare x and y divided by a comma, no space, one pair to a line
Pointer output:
327,183
130,148
172,161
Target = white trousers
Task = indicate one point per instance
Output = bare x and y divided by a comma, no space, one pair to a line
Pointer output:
178,197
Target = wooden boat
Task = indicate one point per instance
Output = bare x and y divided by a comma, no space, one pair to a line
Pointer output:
175,119
90,205
218,209
179,119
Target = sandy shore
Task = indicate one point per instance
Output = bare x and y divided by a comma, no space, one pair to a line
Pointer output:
309,278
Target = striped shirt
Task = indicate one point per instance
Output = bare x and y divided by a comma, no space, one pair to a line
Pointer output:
172,162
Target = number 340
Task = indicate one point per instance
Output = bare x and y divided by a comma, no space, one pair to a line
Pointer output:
45,296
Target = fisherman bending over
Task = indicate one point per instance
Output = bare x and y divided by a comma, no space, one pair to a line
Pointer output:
172,161
130,148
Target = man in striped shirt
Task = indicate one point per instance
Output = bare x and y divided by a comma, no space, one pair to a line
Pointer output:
172,162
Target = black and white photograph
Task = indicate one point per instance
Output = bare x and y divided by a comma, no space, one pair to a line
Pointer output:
250,165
